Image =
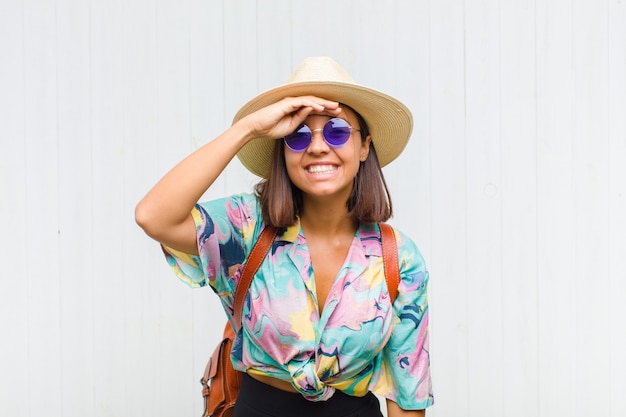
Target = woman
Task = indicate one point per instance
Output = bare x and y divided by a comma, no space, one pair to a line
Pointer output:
320,335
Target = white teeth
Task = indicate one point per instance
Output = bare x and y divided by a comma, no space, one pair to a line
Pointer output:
321,169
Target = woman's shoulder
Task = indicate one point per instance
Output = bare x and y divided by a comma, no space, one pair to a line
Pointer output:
403,240
239,199
236,214
243,205
372,239
409,253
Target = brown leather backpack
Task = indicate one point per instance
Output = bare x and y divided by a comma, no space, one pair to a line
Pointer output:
220,383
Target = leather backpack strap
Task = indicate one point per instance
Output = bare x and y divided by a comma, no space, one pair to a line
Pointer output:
211,367
254,261
390,259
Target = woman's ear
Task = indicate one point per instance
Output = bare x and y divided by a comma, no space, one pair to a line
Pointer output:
365,148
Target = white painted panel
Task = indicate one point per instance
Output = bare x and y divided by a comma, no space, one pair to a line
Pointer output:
308,30
519,209
337,29
367,54
42,208
556,210
617,207
590,144
107,205
274,44
14,222
76,218
483,208
448,262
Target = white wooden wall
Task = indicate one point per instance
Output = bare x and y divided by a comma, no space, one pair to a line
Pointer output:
513,186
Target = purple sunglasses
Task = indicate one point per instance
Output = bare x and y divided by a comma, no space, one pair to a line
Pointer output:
335,132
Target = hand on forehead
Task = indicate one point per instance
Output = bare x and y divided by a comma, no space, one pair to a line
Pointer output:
343,112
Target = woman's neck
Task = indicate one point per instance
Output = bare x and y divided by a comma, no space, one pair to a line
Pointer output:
326,218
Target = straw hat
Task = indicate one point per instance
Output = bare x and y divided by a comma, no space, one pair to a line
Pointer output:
389,121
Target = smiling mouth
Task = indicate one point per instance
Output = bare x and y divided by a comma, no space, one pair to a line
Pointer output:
321,169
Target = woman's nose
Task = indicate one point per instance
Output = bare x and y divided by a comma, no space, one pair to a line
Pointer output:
318,144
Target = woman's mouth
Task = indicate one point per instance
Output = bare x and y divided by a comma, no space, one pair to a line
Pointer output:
321,169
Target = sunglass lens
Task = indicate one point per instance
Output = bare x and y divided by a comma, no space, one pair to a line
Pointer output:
336,132
300,139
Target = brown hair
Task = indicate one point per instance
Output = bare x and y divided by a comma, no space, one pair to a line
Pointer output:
281,201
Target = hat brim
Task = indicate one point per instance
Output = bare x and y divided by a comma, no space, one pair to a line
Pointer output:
390,122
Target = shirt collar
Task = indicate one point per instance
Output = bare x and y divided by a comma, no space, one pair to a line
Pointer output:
369,234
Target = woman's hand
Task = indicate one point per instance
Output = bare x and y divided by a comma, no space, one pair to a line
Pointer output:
283,117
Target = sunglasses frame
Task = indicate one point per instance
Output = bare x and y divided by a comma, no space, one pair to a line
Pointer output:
311,131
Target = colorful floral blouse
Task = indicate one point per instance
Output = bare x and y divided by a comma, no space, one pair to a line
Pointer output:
359,343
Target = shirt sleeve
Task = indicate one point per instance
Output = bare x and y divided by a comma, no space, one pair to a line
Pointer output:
406,358
224,231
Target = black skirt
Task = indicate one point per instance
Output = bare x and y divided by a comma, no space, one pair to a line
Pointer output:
257,399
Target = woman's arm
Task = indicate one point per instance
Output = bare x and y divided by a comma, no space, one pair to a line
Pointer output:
393,410
165,212
407,352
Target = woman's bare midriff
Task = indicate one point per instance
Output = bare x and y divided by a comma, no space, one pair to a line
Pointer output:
273,382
